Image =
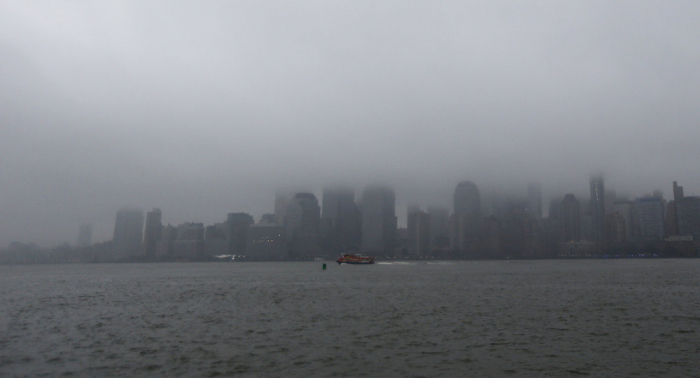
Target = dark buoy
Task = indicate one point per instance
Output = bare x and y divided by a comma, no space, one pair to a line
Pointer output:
324,266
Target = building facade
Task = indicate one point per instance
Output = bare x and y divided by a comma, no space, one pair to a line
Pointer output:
303,226
466,219
650,218
570,219
128,234
378,220
152,232
597,208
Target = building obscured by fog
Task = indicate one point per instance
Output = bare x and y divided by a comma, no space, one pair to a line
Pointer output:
650,218
236,227
152,232
128,234
597,208
266,242
534,201
625,209
418,230
570,218
165,247
282,201
84,235
215,240
466,219
303,226
378,220
189,244
340,220
439,228
688,215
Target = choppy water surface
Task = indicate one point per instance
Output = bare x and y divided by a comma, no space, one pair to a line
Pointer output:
534,318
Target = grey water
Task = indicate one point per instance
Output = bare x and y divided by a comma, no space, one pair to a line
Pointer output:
486,318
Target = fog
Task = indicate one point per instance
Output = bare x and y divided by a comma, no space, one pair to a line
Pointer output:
205,108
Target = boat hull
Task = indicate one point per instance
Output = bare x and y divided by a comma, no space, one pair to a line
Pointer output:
355,260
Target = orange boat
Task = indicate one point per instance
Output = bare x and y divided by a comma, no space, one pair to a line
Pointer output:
349,258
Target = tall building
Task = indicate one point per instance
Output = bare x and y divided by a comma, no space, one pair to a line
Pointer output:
84,235
166,245
650,218
340,219
677,191
303,226
672,211
615,228
378,220
610,198
570,218
554,208
466,219
236,230
418,233
688,215
519,236
551,226
534,201
189,244
152,232
215,242
128,234
439,228
597,208
267,242
625,209
467,200
282,201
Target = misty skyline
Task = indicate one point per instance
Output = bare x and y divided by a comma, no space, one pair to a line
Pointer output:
209,108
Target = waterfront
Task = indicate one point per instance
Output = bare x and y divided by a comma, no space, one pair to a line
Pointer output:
486,318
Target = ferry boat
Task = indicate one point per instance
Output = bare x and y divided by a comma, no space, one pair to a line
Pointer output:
349,258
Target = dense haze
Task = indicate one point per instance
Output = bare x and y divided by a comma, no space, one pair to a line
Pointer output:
205,108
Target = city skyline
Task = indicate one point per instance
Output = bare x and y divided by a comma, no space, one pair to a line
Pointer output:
206,109
607,224
488,195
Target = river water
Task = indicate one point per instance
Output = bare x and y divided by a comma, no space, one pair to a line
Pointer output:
519,318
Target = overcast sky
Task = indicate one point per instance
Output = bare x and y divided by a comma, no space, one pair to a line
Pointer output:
207,107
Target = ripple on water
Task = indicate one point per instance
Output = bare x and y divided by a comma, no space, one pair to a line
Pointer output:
543,318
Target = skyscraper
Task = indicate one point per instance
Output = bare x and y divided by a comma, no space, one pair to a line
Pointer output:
166,245
688,215
673,221
215,242
615,228
340,218
624,208
267,242
466,219
467,200
439,227
378,220
189,244
236,230
597,208
282,201
650,218
84,235
303,226
418,233
534,201
677,191
152,233
128,233
570,218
